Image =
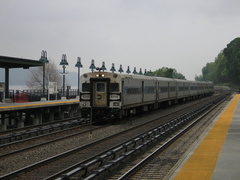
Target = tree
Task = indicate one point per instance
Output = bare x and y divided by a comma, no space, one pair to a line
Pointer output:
232,55
169,73
36,78
221,70
208,72
198,78
226,67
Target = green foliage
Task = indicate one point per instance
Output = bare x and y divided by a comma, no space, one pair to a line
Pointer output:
149,73
232,54
226,67
199,78
169,73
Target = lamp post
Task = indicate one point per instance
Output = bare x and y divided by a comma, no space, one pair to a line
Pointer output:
92,66
134,71
64,63
44,60
128,70
78,65
103,66
145,72
112,68
120,69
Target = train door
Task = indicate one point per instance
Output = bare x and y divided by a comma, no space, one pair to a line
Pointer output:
100,93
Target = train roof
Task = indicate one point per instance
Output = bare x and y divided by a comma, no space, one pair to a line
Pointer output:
136,76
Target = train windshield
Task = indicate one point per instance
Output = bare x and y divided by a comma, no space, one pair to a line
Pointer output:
86,87
100,87
114,87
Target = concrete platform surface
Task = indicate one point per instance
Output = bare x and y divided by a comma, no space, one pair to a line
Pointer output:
217,156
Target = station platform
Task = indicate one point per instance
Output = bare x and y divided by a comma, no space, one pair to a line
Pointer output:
217,155
31,105
35,113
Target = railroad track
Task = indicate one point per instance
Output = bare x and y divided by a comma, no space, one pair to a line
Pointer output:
130,150
161,158
38,130
77,155
30,144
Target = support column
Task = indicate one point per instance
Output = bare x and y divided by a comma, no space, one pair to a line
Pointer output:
37,119
61,113
12,118
51,116
78,112
71,113
20,120
6,82
3,126
6,119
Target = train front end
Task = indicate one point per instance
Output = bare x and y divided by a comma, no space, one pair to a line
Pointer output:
100,96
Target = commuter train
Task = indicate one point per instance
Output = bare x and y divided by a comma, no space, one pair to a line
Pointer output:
108,95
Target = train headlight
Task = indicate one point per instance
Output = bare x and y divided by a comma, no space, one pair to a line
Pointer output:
100,75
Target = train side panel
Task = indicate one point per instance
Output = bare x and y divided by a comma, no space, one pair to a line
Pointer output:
132,92
149,91
163,90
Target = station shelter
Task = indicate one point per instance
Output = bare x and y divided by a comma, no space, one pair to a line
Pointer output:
13,62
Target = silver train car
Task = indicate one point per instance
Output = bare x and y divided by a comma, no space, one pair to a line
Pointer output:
111,95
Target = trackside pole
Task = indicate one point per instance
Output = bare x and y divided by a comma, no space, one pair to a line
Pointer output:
91,120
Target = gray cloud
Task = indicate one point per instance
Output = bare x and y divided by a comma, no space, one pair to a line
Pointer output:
184,35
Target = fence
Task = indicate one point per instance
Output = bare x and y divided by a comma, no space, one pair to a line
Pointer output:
36,95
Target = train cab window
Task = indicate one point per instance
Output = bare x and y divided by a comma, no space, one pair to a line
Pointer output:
86,87
114,87
100,87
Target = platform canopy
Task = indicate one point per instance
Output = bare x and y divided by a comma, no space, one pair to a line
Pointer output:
13,62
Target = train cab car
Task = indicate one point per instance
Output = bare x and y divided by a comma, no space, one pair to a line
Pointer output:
99,92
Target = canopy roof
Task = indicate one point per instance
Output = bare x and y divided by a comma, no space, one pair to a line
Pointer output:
12,62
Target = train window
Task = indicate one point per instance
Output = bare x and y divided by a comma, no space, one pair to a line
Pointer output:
100,87
172,89
164,89
86,87
114,87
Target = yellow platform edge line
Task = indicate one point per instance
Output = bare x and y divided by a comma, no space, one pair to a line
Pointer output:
202,162
38,104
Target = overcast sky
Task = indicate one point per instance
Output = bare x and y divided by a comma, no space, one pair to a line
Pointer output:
147,34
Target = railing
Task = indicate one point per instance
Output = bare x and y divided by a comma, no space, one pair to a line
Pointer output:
36,95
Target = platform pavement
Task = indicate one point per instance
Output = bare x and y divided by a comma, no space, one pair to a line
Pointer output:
36,104
217,156
35,113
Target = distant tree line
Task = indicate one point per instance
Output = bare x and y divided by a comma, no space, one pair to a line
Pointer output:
225,70
169,73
